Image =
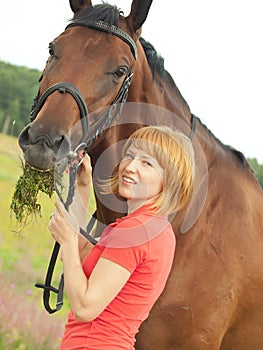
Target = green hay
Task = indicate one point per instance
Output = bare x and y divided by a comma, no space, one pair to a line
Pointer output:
25,198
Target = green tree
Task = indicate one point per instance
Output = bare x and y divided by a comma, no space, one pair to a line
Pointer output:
12,117
18,86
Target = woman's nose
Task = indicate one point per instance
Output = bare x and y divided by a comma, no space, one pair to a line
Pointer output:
132,165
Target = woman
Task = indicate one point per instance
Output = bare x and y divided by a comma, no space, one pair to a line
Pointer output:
113,289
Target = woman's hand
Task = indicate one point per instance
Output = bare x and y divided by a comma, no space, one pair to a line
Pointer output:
82,192
63,226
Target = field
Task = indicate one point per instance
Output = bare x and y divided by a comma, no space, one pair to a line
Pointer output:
24,257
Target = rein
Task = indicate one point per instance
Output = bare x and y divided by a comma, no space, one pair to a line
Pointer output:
88,138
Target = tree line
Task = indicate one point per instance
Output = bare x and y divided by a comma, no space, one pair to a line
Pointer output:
18,87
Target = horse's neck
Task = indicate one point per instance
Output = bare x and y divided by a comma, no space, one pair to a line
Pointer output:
162,103
157,93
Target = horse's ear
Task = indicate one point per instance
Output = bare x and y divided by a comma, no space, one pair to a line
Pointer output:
77,5
138,14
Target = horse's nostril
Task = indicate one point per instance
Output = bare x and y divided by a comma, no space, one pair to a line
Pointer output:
59,140
23,138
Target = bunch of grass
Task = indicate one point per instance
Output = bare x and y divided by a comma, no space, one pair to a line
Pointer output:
24,202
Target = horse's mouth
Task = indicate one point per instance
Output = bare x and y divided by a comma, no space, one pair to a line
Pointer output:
38,158
41,162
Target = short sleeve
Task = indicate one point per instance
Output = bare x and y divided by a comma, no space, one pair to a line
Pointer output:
127,244
126,241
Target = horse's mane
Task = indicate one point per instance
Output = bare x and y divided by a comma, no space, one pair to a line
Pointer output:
239,155
111,14
101,12
156,63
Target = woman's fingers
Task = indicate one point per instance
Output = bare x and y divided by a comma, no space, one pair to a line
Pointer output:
60,208
86,163
66,218
85,170
63,225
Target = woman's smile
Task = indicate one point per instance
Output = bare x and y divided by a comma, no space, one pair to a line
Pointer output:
128,180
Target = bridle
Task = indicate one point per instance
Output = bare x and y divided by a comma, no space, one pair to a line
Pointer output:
108,28
64,87
89,135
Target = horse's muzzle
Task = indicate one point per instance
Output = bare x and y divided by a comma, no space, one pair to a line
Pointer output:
43,151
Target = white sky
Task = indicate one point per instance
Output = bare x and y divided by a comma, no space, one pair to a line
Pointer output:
212,48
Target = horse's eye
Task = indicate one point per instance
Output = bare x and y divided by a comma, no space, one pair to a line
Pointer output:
121,71
51,50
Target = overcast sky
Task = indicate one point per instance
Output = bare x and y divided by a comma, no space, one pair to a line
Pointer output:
212,49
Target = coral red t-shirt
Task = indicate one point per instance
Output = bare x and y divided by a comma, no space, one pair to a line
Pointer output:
144,244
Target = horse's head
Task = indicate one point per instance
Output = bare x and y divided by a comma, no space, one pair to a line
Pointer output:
89,69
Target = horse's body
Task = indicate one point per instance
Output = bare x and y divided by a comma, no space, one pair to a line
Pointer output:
214,296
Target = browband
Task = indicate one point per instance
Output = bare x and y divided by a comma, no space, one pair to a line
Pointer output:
108,28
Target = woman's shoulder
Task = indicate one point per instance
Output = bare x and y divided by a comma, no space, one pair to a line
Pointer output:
136,229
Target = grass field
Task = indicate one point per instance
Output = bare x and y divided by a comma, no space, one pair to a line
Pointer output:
24,257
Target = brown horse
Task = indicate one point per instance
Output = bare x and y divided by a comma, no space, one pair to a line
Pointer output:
214,296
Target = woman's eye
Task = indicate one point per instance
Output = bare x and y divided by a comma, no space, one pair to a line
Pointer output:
147,163
128,156
121,71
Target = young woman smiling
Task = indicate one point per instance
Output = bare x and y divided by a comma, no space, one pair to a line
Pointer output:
112,290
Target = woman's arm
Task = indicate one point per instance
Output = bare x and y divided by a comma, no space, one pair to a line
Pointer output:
88,298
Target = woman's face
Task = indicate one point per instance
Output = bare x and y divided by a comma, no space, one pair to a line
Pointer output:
140,176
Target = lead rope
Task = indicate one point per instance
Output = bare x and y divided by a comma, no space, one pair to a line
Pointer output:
47,286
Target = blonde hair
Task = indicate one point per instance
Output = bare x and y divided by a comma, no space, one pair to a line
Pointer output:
174,152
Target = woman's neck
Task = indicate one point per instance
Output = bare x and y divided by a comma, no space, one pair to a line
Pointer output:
134,205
